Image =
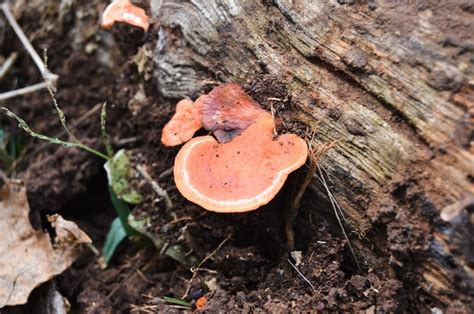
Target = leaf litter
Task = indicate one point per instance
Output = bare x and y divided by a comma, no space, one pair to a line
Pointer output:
28,257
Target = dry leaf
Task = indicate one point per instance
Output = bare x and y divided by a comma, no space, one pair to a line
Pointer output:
27,256
67,232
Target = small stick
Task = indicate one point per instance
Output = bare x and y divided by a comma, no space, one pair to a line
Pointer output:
185,218
272,111
23,91
48,75
205,259
333,202
272,99
158,189
125,141
8,64
291,215
302,276
165,173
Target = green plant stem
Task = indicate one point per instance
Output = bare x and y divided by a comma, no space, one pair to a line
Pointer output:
23,125
123,211
105,136
90,150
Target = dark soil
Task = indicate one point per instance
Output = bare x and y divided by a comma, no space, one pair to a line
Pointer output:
252,269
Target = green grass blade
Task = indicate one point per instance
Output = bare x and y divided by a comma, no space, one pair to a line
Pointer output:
123,211
115,236
23,125
177,301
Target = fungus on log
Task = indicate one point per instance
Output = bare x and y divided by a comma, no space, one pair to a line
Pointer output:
391,84
227,110
240,175
245,167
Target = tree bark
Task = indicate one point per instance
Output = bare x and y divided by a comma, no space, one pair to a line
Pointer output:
391,83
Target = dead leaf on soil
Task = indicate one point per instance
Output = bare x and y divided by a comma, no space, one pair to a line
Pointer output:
27,256
67,232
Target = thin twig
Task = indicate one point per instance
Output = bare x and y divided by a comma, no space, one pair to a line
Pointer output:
6,66
205,259
272,99
282,120
185,218
333,202
156,187
23,91
302,276
295,204
272,111
49,76
125,141
143,308
165,173
331,196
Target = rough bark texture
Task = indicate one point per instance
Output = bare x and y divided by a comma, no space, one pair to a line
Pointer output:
391,83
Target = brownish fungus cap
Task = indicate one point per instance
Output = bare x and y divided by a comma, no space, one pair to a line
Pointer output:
183,124
240,175
126,12
227,110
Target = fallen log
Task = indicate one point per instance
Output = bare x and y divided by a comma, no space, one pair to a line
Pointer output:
391,83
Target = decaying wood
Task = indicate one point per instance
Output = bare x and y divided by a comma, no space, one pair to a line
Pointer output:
393,84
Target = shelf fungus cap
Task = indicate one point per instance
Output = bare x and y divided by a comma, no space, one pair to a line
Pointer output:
126,12
240,175
183,124
227,111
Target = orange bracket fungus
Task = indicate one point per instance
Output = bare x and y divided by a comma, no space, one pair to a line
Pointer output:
126,12
183,124
227,110
247,167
